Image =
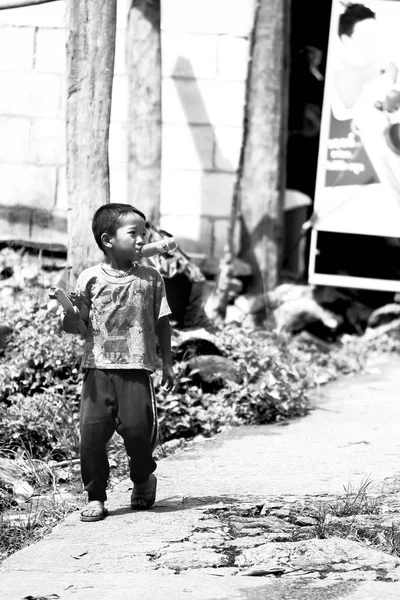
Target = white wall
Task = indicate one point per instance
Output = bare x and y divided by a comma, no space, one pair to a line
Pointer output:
204,52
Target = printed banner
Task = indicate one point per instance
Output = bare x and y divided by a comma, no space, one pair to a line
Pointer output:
358,176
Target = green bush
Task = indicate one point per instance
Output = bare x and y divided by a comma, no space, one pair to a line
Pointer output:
280,371
40,382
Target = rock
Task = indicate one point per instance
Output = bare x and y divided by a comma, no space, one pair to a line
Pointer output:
281,513
22,491
384,315
211,372
304,521
233,314
5,331
327,555
194,342
288,292
187,555
357,315
250,304
294,315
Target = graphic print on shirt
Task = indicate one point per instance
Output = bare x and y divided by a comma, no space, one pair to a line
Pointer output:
122,319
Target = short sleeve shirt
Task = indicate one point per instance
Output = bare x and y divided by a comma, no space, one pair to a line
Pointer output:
123,314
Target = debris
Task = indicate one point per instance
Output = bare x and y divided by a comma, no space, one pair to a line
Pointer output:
262,571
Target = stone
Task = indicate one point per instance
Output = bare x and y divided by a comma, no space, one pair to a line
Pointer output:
250,304
233,314
281,513
287,292
304,521
294,315
384,314
211,372
5,331
333,554
190,556
193,342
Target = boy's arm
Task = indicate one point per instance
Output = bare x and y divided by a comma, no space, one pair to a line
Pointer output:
163,330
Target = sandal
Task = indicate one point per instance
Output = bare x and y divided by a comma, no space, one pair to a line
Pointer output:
144,494
96,509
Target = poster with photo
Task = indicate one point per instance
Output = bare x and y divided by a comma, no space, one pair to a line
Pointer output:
358,175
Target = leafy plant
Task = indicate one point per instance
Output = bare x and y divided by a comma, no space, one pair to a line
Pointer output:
40,381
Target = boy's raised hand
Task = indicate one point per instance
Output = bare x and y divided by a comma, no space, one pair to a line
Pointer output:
71,320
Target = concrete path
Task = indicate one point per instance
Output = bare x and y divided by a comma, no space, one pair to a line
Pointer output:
174,551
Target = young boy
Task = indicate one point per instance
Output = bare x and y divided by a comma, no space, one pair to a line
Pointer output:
128,310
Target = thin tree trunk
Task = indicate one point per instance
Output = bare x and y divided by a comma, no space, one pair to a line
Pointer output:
262,182
90,70
143,59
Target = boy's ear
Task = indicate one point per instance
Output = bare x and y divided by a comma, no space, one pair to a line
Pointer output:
106,240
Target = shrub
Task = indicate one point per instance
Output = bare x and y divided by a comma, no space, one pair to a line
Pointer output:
40,381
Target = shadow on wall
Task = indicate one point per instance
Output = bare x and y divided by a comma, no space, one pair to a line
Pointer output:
208,221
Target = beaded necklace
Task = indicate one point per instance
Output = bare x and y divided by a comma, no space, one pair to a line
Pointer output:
119,272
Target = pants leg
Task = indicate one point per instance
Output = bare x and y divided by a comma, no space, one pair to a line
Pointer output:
97,424
137,420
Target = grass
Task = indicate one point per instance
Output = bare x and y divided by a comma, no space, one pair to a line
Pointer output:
356,501
30,500
27,527
392,539
353,503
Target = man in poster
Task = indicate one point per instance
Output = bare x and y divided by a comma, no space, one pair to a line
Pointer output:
365,93
358,178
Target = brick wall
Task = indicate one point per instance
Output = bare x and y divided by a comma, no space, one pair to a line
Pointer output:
205,53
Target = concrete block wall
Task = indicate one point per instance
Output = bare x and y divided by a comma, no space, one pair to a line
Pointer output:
204,53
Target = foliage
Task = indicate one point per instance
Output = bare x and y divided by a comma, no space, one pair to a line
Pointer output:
40,381
40,520
279,372
356,501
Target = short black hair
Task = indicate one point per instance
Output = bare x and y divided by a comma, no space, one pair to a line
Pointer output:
352,14
105,219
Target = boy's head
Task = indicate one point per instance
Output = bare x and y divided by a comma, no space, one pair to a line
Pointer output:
109,218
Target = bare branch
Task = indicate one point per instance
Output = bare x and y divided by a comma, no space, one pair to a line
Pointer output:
22,3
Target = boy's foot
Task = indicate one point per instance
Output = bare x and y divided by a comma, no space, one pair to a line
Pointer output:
94,511
144,494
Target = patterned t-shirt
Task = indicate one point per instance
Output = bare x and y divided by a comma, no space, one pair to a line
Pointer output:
123,313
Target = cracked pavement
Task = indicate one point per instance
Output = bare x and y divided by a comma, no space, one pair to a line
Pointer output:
231,508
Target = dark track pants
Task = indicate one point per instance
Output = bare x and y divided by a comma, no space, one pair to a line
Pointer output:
119,400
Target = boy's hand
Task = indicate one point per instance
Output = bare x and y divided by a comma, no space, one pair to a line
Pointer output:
168,379
71,320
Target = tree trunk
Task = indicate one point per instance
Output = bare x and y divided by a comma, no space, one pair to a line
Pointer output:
143,60
90,69
262,181
218,303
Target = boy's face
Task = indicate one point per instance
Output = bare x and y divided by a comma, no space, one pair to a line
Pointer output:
129,237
